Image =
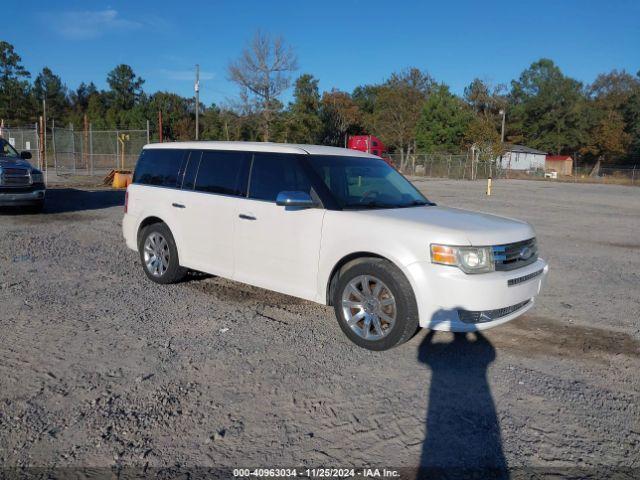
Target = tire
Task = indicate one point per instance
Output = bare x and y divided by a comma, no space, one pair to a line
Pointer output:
395,296
162,247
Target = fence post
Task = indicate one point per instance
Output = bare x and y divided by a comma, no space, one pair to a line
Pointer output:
115,167
73,147
37,139
53,141
90,149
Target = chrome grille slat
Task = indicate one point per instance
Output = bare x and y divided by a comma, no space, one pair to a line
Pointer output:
15,177
510,256
525,278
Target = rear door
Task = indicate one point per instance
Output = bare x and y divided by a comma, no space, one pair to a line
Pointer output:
213,181
277,247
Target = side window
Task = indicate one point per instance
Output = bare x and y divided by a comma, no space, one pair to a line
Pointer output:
190,170
223,172
158,166
273,173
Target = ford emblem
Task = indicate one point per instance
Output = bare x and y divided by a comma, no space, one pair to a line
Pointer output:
526,253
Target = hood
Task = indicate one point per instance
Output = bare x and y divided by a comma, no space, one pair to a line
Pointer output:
14,162
454,226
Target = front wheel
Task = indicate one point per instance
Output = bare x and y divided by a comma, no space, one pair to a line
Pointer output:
375,305
159,255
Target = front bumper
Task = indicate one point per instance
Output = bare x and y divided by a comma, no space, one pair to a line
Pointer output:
33,197
446,296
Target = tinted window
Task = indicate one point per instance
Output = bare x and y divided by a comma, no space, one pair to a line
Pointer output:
223,172
190,170
357,182
274,173
158,167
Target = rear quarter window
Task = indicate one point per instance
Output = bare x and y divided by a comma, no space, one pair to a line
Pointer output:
223,172
158,167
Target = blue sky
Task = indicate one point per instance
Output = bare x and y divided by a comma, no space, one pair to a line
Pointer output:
343,43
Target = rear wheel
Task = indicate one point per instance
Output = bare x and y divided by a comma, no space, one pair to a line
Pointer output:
159,255
375,305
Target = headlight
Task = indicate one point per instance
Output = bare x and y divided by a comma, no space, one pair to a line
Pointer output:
37,177
467,259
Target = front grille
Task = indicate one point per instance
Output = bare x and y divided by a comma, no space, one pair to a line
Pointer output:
525,278
515,255
15,177
15,171
482,316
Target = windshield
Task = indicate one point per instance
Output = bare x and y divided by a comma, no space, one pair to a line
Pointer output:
359,183
6,150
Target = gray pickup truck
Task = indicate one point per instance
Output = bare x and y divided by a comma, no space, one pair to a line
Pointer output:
21,184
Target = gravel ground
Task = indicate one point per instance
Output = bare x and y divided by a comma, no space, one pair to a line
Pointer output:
100,367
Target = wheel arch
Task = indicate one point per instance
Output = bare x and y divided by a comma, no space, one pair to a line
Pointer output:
150,220
346,260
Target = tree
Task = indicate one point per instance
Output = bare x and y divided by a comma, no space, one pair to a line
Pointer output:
615,119
548,109
49,86
611,91
443,122
397,107
608,138
15,92
263,73
340,116
484,99
483,137
126,87
305,124
178,115
631,112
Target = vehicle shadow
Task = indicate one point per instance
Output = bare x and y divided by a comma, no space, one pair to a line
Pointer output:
63,200
60,200
463,433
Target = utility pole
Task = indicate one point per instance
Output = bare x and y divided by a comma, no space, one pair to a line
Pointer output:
197,89
503,113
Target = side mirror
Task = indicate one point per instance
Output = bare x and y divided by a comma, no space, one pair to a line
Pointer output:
294,199
25,155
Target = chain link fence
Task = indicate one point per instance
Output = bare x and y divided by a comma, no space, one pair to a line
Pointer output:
78,152
24,139
95,152
445,165
461,167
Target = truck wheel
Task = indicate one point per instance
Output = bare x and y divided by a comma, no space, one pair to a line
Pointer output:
159,255
374,304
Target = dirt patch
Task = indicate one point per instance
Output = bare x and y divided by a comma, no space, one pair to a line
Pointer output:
535,335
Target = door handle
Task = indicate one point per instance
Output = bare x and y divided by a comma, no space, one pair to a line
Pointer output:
246,217
178,205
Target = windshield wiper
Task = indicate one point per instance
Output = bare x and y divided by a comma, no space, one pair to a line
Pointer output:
416,203
369,205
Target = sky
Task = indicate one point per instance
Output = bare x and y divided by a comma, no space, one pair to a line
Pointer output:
343,43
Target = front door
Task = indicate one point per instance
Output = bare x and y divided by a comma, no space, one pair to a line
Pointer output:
277,247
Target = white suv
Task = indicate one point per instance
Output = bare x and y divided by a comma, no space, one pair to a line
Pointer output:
334,226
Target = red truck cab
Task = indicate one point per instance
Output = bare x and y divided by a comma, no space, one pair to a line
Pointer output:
369,144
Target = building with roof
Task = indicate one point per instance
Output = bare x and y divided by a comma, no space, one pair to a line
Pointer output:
519,157
563,164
